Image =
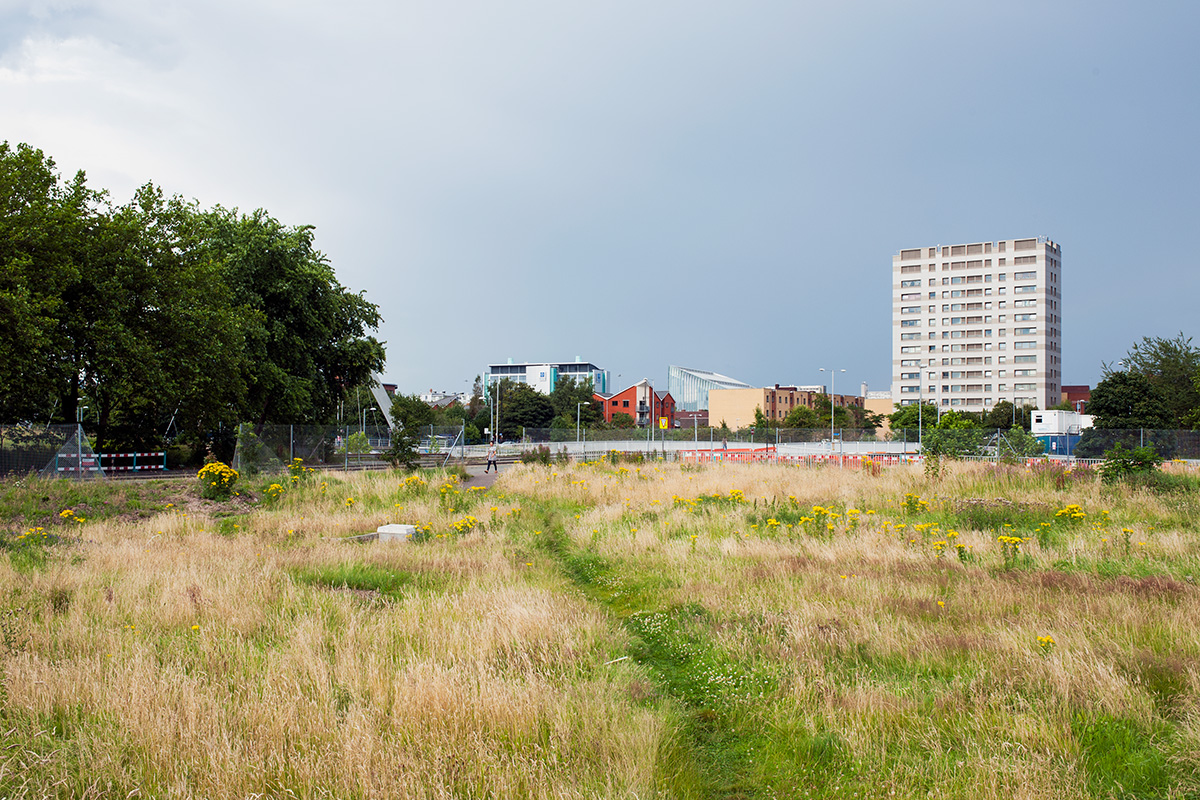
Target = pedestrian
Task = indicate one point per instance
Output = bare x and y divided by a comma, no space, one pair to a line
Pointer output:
491,458
724,443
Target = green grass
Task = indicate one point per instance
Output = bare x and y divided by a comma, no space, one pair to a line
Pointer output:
363,577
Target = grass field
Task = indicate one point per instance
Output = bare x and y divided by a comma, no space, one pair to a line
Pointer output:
605,630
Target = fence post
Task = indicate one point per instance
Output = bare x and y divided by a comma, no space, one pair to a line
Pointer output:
346,450
291,444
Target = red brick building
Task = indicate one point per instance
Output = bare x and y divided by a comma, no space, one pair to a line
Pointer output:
1077,396
641,402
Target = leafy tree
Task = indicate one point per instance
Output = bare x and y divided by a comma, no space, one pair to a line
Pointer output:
1128,400
1004,415
42,223
955,436
568,393
913,416
155,312
525,407
410,415
801,417
476,403
1018,443
1172,367
761,423
305,334
622,420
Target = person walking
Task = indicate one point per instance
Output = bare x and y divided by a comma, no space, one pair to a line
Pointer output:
491,458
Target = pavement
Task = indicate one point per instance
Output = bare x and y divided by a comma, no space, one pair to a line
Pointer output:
480,478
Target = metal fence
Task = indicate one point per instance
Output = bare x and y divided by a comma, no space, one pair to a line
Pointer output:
28,448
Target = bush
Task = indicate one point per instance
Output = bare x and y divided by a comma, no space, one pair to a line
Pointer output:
1120,463
217,480
538,455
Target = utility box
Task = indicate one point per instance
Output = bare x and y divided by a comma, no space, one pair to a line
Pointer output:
395,533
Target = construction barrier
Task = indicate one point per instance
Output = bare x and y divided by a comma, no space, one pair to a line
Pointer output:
770,455
159,461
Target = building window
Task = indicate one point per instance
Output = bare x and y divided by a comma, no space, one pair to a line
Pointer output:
910,323
910,310
1024,331
1025,289
1025,276
1024,345
1024,359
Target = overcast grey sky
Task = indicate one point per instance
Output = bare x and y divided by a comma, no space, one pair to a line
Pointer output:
715,185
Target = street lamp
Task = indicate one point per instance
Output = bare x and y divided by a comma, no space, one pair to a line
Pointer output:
578,406
832,375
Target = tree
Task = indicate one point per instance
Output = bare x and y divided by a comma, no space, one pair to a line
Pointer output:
801,417
410,415
305,334
1004,415
1128,400
761,423
1129,410
913,416
43,224
476,402
1172,367
955,435
566,396
622,420
525,407
1018,443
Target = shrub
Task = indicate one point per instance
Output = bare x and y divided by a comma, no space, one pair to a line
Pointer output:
1120,463
217,480
538,455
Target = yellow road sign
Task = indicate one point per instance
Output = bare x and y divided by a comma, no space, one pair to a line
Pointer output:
662,423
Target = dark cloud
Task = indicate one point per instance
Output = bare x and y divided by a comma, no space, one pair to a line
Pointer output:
645,184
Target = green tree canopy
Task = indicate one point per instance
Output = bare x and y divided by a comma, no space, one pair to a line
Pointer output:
525,407
156,311
907,416
1172,367
802,417
568,393
1128,400
1004,415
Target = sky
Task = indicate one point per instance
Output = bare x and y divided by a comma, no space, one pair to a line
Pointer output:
719,186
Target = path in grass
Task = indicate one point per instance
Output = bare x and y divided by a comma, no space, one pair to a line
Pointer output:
716,695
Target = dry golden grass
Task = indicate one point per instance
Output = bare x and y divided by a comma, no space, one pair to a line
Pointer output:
187,655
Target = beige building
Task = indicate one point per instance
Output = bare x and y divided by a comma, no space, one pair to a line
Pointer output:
975,324
735,407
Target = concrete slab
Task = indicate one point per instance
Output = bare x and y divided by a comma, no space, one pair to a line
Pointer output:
395,533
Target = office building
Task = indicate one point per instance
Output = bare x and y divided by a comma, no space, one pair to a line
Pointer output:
976,324
544,377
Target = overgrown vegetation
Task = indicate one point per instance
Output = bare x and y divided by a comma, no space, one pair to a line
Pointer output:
610,630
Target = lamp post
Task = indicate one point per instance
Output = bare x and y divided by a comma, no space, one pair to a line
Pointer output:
832,375
579,406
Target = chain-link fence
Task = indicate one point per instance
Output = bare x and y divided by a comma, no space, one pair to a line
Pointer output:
983,442
51,450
